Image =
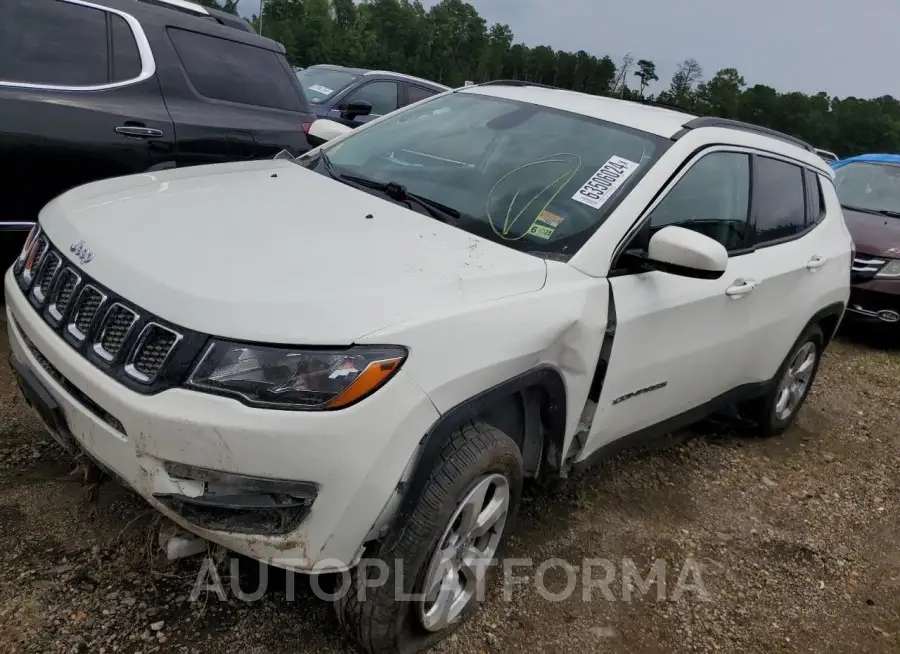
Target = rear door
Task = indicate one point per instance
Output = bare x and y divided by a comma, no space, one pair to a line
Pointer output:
680,342
795,259
230,100
78,101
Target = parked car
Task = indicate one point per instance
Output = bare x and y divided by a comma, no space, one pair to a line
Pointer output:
504,282
354,96
128,85
829,157
868,187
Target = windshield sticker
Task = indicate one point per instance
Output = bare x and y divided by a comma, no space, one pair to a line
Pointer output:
324,90
602,184
544,225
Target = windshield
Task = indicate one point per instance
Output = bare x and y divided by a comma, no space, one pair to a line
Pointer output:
533,178
869,186
319,84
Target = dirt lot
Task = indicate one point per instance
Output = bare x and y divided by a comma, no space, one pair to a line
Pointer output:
797,539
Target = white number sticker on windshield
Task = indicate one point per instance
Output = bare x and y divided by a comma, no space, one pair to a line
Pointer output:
602,184
324,90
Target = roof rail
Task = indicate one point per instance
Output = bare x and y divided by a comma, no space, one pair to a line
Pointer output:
517,82
183,5
727,123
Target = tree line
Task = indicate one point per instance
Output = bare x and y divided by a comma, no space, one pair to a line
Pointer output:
451,43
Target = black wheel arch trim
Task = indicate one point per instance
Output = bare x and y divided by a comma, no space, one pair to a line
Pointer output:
553,415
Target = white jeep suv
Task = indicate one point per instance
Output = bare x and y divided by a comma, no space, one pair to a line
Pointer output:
359,355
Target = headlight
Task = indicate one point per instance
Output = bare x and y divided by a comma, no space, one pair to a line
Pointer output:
286,378
892,269
28,251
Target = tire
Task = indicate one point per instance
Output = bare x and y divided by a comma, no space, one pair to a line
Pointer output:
764,411
380,620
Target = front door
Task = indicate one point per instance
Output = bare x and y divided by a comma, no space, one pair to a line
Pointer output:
680,342
382,95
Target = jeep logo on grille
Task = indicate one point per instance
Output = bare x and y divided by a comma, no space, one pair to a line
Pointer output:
80,250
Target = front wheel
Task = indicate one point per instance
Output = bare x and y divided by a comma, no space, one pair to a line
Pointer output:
777,410
439,560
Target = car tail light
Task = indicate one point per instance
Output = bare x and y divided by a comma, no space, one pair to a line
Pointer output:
305,127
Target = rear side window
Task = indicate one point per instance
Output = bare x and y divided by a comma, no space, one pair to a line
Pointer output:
126,60
417,93
235,72
52,43
779,200
814,195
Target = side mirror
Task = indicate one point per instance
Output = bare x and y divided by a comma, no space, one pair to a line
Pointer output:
687,253
355,109
324,130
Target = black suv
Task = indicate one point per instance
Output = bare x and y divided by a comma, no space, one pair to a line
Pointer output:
91,89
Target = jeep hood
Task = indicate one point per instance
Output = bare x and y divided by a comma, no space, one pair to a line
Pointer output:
874,234
269,251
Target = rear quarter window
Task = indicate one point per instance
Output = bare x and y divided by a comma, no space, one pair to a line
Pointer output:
221,69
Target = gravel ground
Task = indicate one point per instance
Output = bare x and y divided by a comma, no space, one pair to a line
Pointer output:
793,540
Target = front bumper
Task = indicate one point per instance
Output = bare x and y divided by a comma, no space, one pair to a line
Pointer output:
354,458
875,301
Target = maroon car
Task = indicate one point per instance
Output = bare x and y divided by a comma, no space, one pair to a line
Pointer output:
869,190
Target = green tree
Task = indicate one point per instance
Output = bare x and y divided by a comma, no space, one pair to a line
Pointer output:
646,72
452,43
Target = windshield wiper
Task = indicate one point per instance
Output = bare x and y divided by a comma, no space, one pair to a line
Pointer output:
399,193
880,212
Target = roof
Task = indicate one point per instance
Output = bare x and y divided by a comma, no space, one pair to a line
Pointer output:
647,118
869,158
386,73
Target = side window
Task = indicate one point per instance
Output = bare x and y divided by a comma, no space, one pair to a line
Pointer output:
815,198
712,198
381,95
126,60
235,72
52,43
779,200
417,93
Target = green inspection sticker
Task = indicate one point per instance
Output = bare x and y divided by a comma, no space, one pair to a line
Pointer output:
545,224
541,231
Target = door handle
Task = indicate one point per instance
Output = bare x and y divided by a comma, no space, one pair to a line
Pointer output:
816,262
139,132
740,288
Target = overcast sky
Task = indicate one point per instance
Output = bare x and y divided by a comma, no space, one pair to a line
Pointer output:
789,44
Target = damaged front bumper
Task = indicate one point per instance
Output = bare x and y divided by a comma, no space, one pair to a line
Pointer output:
298,490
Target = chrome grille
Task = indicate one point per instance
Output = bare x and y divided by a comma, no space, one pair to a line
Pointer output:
86,309
48,271
867,264
115,328
154,346
129,344
65,291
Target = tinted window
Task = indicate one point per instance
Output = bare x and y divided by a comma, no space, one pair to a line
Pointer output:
780,201
126,58
816,201
53,43
381,95
227,70
320,84
869,186
712,198
417,93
